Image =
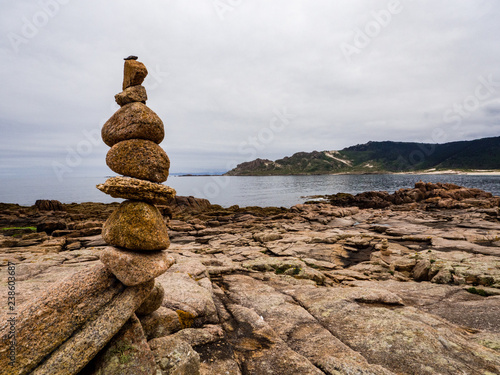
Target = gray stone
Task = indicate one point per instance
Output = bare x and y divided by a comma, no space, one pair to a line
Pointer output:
174,356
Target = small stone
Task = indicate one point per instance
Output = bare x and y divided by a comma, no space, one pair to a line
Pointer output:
175,356
134,73
140,159
132,94
133,268
153,301
133,121
131,57
160,323
136,226
135,189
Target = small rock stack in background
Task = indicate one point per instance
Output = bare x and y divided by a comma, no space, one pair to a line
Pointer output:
136,231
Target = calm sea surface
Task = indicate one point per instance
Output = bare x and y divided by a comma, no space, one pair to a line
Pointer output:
244,191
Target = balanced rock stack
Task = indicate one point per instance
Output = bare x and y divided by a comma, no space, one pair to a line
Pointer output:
136,230
69,324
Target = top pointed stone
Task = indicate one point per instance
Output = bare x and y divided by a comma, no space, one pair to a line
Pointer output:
134,73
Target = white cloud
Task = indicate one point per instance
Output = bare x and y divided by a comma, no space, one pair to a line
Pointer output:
216,82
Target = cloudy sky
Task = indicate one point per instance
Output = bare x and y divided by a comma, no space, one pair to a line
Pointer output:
234,80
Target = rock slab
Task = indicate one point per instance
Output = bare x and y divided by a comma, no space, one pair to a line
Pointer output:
47,322
76,353
136,226
135,189
128,353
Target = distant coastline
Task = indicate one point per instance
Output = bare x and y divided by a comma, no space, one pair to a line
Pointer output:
476,157
478,172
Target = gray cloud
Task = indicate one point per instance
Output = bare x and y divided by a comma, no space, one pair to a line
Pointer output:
217,77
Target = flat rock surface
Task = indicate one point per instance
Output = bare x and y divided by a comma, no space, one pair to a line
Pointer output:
315,289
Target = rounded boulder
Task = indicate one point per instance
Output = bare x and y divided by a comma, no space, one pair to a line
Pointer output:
153,301
133,121
137,226
140,159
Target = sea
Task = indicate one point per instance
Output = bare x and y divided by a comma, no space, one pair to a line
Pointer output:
279,191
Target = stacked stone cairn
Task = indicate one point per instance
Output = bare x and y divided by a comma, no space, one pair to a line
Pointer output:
87,317
136,230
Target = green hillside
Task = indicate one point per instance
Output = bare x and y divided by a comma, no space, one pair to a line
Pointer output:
380,157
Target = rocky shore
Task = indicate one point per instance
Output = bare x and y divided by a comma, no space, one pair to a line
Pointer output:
406,284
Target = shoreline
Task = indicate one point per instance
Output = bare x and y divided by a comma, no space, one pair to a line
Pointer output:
433,255
448,172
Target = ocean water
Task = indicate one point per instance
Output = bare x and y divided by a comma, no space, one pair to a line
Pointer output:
284,191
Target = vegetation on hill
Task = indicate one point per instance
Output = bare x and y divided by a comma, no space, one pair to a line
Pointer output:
380,157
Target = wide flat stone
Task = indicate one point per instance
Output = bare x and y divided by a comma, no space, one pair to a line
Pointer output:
133,121
133,268
136,226
140,159
135,189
